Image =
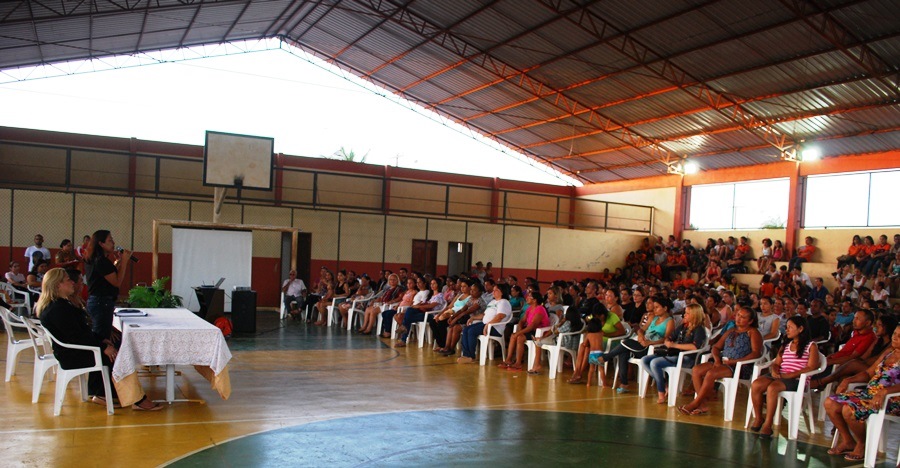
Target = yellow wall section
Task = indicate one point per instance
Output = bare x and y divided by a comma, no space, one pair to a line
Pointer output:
661,199
145,175
298,187
588,214
46,213
469,202
148,209
99,170
93,212
20,165
349,191
400,233
530,208
182,177
487,242
413,196
521,247
567,249
265,243
323,227
445,232
362,237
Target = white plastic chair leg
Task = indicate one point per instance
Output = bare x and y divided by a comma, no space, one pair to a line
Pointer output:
40,370
554,364
483,344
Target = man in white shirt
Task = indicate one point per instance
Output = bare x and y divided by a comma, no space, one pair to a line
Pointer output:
294,293
38,247
799,275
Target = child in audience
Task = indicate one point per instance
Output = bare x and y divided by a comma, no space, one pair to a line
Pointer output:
777,252
588,352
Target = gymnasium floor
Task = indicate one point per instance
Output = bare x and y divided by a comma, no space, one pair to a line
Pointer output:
309,396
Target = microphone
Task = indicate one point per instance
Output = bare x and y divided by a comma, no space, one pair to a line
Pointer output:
133,258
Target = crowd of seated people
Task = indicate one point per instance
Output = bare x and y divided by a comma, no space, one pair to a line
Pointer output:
790,319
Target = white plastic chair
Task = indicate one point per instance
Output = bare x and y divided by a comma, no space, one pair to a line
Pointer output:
767,344
282,312
333,313
674,373
357,308
422,330
395,327
43,357
876,430
64,376
543,335
823,395
14,346
730,385
795,399
486,342
555,350
24,303
610,341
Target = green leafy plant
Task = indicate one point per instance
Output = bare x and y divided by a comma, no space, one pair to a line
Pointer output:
773,223
351,156
155,296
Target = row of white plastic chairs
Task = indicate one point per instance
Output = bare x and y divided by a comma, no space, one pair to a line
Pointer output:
40,341
551,343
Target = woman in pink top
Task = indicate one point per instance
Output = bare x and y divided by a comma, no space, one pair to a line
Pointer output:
536,317
799,355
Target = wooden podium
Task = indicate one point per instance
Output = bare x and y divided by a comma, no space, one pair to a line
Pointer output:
212,303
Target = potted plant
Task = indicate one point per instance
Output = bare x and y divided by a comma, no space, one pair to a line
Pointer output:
155,296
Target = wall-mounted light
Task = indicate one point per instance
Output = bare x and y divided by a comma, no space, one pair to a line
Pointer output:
684,167
691,167
810,153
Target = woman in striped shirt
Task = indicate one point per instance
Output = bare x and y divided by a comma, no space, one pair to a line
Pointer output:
798,355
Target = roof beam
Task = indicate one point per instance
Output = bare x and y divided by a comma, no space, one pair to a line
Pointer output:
234,23
673,73
832,30
429,38
381,21
477,53
137,46
190,26
697,110
652,62
37,40
801,116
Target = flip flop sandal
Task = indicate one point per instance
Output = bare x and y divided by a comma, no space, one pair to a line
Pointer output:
685,411
853,457
836,452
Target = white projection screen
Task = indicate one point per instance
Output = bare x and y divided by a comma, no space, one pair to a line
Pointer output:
202,256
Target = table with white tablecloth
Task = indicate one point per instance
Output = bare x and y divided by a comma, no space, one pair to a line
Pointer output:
169,337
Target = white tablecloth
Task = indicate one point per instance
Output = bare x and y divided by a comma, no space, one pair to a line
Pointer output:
169,336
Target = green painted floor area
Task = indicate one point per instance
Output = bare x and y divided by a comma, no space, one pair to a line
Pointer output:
507,438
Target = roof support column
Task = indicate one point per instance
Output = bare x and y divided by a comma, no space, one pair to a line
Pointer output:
681,206
795,199
132,166
386,190
279,178
495,200
572,204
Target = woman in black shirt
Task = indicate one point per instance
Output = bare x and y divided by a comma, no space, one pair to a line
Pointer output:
104,277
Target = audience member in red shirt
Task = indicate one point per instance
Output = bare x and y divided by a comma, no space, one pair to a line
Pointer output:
860,340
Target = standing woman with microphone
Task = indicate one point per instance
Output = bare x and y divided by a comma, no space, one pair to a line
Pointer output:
104,277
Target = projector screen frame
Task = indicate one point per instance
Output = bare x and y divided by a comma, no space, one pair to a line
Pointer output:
225,226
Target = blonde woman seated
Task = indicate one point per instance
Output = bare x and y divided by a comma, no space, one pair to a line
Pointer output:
390,297
797,356
689,336
69,324
741,343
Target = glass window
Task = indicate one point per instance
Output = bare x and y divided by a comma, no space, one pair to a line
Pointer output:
882,191
851,200
745,205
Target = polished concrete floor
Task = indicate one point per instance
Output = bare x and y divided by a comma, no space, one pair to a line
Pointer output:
309,396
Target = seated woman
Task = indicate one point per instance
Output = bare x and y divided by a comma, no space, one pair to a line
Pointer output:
439,324
712,273
334,290
363,292
536,317
15,277
405,301
653,332
455,321
325,295
496,311
741,343
848,410
571,322
433,301
798,355
884,330
516,301
769,323
65,257
689,336
554,303
611,299
390,297
850,258
69,324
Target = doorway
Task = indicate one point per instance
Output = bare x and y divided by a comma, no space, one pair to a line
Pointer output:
304,255
459,258
424,256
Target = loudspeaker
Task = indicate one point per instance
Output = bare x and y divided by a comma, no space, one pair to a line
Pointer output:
243,311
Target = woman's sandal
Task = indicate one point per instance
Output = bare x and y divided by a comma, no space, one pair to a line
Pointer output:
504,365
836,452
853,457
683,409
575,380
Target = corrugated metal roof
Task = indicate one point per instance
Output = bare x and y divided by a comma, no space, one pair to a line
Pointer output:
598,83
